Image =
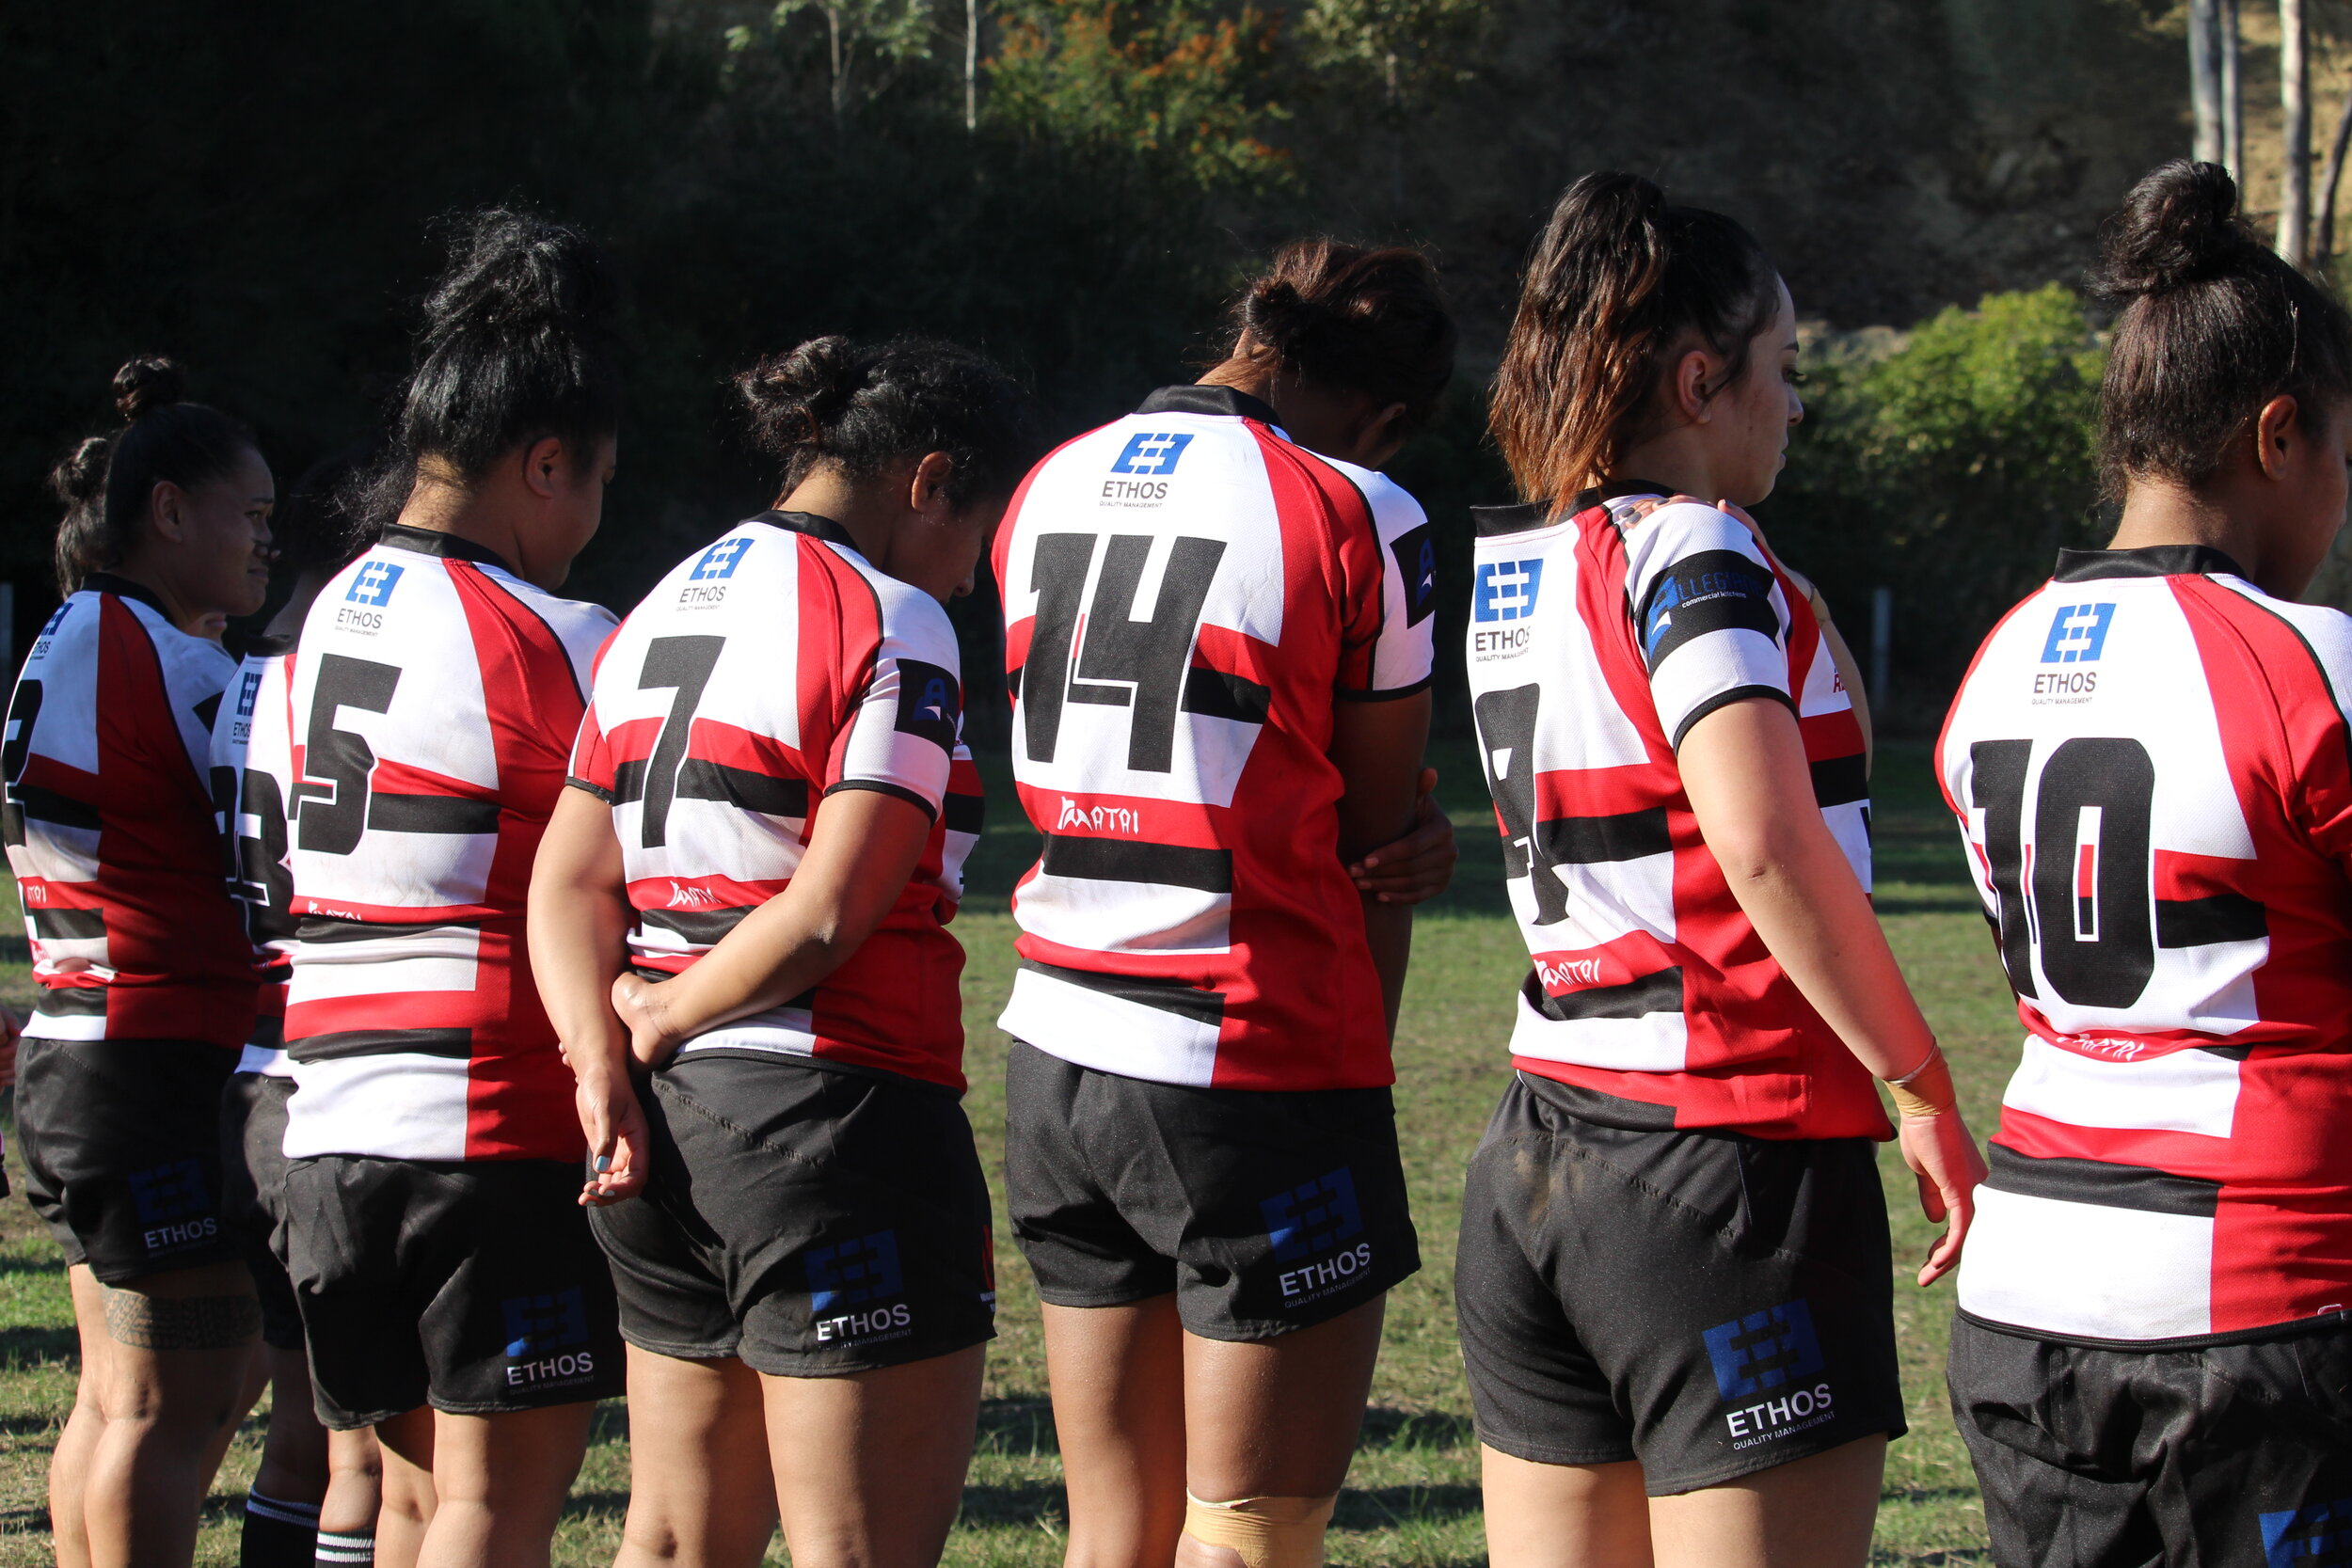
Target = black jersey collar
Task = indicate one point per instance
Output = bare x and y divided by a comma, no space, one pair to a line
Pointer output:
1490,520
1210,400
123,588
2152,560
810,524
433,541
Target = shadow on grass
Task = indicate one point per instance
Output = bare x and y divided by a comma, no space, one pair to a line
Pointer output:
596,1505
1019,1504
48,1259
1388,1507
1017,1427
26,1346
1406,1429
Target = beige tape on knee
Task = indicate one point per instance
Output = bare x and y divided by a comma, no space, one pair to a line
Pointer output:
1266,1532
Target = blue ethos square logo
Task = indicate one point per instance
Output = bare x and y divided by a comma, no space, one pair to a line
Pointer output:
374,583
168,1193
1764,1351
541,1326
2317,1535
1313,1218
248,692
1151,454
865,1269
720,561
2077,633
1507,591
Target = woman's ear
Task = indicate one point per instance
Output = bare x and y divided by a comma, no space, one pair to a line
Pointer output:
926,487
543,466
167,512
1694,384
2275,435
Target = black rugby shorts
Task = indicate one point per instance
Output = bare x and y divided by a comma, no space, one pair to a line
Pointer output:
2233,1451
811,1220
1706,1303
252,1173
472,1286
1263,1210
121,1143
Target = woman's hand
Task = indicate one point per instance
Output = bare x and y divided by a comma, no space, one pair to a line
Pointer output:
615,1127
1417,866
12,1030
643,1006
1943,1153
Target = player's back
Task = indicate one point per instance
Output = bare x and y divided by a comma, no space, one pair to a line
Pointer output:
2149,762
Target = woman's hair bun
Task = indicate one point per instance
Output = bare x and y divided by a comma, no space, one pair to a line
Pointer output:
792,397
511,270
147,383
1277,317
82,477
2179,225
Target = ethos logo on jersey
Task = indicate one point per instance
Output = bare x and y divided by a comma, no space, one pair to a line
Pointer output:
547,1337
374,583
1146,453
1762,1361
2078,633
2317,1535
719,562
848,1285
1312,1226
1507,591
248,691
175,1206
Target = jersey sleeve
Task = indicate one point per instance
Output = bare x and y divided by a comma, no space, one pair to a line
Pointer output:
904,724
1709,614
1389,646
2319,737
591,767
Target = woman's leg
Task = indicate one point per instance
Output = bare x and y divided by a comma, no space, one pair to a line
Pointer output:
1117,1379
869,1468
1274,1417
700,1491
70,1462
183,1347
348,1514
404,1454
293,1454
1814,1513
499,1485
1564,1516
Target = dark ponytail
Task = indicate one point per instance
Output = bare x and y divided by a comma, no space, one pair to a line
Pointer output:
1619,282
106,483
1344,317
516,345
2214,325
869,408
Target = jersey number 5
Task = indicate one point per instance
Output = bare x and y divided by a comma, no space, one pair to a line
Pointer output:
334,815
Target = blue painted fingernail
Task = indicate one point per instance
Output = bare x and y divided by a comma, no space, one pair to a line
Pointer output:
604,1162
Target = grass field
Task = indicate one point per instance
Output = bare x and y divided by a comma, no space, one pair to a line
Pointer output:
1412,1500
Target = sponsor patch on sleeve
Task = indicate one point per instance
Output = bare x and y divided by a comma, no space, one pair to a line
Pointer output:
1710,590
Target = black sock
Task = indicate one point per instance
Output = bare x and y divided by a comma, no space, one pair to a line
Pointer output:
346,1549
279,1534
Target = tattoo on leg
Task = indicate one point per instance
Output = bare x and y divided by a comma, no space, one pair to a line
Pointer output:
182,1322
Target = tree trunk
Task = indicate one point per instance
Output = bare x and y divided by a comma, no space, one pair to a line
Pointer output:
2232,100
2204,79
2295,105
971,65
2324,249
840,74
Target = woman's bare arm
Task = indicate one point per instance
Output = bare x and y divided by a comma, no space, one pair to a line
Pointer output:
1377,749
578,925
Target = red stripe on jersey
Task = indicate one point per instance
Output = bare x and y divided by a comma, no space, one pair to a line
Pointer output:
391,777
1323,518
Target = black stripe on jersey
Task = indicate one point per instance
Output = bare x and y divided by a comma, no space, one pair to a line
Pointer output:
47,805
2221,917
2069,1180
740,787
1709,591
71,1001
1216,694
455,1044
608,796
268,1032
965,813
1167,996
431,814
208,710
449,546
1386,694
1724,699
68,924
1013,683
881,786
1121,860
1590,840
1101,696
700,926
930,704
2151,561
330,927
1842,781
629,781
1661,992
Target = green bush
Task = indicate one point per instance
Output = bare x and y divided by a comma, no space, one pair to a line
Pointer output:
1950,465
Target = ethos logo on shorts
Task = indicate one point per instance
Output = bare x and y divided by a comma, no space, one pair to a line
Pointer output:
175,1206
547,1337
2317,1535
1763,1361
2078,634
1310,1225
846,1277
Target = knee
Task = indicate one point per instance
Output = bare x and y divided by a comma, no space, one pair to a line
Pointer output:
1255,1532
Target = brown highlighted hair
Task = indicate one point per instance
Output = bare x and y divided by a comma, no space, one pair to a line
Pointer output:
2214,325
108,480
1620,283
1346,317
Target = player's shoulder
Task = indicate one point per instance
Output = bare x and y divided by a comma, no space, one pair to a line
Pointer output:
1394,511
911,618
2324,631
1660,531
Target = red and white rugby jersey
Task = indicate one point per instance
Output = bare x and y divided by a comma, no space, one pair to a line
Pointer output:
771,670
108,821
1187,595
2150,762
1596,641
251,748
434,704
